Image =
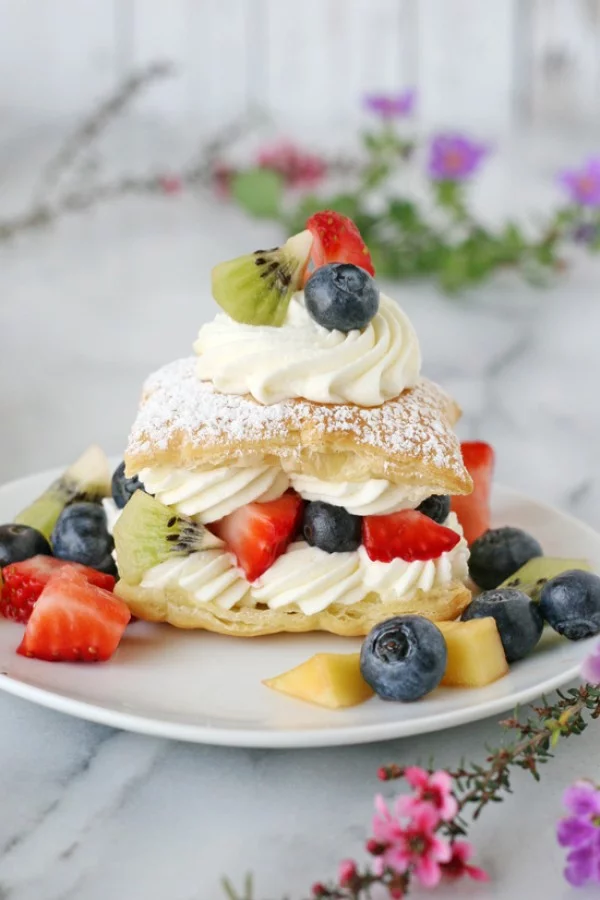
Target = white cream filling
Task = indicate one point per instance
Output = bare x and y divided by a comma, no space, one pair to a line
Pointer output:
309,579
374,497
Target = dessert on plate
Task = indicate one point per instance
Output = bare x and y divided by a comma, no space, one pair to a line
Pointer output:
297,470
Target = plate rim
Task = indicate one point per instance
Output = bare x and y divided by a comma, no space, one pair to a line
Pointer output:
292,739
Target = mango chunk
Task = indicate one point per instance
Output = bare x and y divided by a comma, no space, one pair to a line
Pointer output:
327,679
475,653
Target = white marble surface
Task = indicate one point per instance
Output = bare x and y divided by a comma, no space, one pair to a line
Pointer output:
86,311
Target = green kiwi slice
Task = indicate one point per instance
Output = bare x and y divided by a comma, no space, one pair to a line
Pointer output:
256,289
88,478
532,577
148,533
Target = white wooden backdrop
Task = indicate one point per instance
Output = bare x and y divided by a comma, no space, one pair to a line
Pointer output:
484,63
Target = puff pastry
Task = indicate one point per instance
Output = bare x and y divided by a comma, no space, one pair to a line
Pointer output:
184,423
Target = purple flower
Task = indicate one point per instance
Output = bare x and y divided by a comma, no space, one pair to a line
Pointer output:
580,831
583,184
453,157
392,106
590,669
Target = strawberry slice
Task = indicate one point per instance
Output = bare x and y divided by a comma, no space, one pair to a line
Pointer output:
337,239
473,510
74,621
259,532
407,535
25,581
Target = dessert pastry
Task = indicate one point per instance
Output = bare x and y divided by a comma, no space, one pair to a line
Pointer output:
296,472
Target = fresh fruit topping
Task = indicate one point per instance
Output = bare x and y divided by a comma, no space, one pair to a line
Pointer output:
123,487
74,621
407,535
436,507
532,577
473,510
81,535
341,297
258,533
337,239
498,553
404,658
570,603
25,581
332,680
475,653
87,479
256,289
148,533
518,619
18,542
331,528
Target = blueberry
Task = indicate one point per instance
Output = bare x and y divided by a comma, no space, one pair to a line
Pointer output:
81,535
570,603
518,618
19,542
499,553
435,507
341,297
404,658
123,487
331,528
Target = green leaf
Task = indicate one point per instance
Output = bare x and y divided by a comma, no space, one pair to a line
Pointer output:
259,192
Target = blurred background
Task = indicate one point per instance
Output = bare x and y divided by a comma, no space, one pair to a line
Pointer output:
115,199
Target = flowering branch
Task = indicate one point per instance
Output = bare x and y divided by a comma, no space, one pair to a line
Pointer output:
422,840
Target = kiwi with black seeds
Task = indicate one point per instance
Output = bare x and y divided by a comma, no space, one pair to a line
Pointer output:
148,533
531,577
256,289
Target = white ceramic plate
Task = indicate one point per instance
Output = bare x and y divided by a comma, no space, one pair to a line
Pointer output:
195,686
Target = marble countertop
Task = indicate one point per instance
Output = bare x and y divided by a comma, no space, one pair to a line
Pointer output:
87,310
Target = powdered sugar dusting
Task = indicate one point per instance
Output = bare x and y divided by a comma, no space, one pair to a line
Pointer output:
179,409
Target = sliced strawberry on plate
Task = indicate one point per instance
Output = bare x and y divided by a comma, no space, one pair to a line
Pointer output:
473,510
25,581
407,535
259,532
337,239
74,621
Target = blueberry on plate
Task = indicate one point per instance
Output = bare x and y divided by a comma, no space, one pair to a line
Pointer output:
123,487
436,507
331,528
570,603
404,658
341,297
81,535
518,619
19,542
499,553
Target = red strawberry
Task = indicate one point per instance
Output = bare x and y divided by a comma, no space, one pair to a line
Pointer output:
473,510
74,621
337,239
407,535
25,581
259,532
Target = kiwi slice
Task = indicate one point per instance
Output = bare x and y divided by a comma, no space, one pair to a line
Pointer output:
256,289
148,533
88,478
532,577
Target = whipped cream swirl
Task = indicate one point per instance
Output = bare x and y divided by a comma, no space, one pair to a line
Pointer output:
209,494
303,359
211,576
374,497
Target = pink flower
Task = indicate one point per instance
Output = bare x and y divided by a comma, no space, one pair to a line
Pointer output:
412,845
347,872
458,866
171,184
297,167
434,791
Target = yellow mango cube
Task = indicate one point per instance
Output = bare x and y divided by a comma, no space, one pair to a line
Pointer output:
475,653
327,679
